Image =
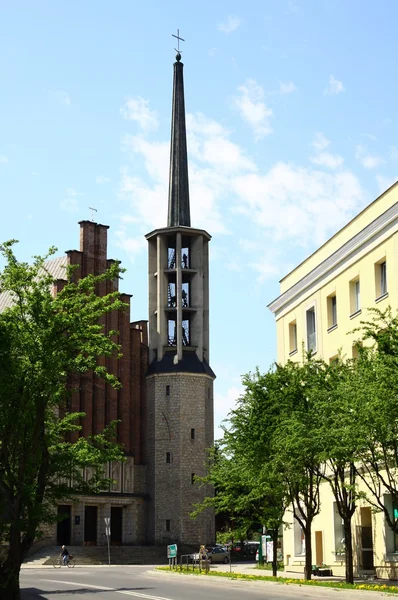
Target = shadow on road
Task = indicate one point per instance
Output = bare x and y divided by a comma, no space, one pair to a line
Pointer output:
33,593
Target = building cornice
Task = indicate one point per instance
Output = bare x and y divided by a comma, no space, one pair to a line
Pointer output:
385,222
188,231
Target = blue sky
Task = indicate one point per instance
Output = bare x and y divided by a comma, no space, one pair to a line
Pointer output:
292,129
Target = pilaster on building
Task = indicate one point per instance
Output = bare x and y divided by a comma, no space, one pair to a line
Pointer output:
180,379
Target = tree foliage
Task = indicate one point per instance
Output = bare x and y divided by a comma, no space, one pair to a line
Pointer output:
44,340
301,424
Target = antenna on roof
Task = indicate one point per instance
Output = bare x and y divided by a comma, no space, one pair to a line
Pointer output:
93,210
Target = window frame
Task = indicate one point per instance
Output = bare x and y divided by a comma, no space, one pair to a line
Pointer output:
292,337
311,310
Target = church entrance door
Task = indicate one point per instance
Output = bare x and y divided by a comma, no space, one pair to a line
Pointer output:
116,525
63,526
90,525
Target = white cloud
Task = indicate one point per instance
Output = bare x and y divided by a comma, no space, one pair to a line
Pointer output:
298,205
208,141
320,141
231,24
253,109
326,159
3,159
368,161
70,203
283,207
101,179
63,97
287,88
137,109
335,86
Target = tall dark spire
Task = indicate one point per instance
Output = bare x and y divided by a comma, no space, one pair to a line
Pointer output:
179,213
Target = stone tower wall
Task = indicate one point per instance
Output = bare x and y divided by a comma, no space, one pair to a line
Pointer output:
170,421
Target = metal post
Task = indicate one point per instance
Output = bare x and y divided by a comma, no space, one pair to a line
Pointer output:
108,535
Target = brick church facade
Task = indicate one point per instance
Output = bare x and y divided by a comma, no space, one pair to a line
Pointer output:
165,403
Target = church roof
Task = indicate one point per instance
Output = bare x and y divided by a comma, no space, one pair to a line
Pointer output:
56,267
190,363
178,210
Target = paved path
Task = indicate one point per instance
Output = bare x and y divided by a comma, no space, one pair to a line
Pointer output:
115,583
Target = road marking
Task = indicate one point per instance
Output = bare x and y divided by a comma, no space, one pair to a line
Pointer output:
95,587
138,595
107,589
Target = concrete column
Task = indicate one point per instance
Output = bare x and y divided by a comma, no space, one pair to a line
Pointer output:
206,300
179,296
161,317
197,284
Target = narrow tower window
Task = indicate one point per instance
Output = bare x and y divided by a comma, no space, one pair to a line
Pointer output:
192,478
171,295
192,434
168,457
185,258
185,295
186,333
167,524
172,332
171,258
167,390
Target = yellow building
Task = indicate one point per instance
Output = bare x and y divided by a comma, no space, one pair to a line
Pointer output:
321,301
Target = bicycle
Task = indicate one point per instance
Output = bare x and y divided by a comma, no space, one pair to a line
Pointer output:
59,562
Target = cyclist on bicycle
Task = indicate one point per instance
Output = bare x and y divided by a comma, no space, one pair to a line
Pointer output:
64,554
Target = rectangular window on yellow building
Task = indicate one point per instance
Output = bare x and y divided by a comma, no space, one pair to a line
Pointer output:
381,279
292,337
311,330
355,297
332,312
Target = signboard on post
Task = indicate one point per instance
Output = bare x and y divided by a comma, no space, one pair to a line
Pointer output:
172,554
108,535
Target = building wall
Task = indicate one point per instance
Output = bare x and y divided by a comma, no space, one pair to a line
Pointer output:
340,338
354,252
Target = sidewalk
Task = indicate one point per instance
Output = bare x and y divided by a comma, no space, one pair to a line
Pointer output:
250,568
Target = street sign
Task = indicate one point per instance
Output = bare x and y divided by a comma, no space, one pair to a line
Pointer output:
172,551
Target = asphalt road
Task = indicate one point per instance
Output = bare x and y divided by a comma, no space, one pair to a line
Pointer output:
115,583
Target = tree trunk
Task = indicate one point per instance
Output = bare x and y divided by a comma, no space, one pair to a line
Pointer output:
9,583
349,559
275,556
308,552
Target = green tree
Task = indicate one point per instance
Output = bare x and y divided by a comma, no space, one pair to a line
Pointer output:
338,438
296,450
246,486
44,339
374,392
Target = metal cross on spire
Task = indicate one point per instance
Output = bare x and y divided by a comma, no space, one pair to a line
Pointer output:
178,42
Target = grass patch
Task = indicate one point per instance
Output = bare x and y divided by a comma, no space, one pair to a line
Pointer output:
285,580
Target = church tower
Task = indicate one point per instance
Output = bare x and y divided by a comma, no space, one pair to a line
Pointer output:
180,380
